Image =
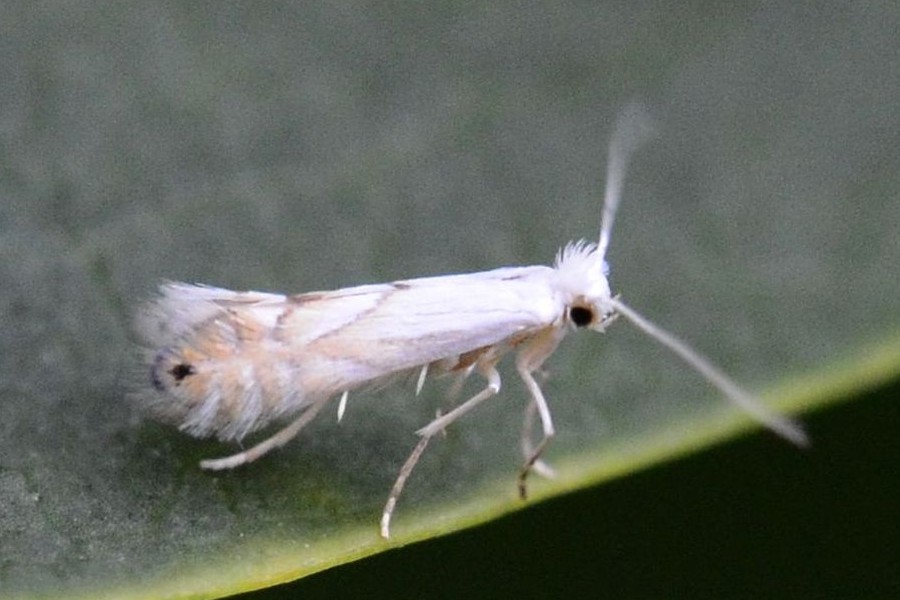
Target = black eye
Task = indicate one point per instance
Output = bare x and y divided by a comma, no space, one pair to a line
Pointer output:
581,316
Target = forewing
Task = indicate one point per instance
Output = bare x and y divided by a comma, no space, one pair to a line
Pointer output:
360,334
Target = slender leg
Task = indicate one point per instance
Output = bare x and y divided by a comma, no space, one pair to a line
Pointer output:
398,485
540,467
533,459
429,431
525,444
279,439
342,405
530,358
421,381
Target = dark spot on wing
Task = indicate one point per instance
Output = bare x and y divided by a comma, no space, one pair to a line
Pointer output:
283,317
308,297
180,371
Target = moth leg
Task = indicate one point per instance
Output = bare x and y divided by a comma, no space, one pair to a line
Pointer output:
532,460
530,358
279,439
540,466
398,485
429,431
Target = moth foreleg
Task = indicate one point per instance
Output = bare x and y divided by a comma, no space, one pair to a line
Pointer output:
435,427
279,439
540,467
532,460
531,357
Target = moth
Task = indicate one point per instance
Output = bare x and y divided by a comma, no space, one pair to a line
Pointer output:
224,363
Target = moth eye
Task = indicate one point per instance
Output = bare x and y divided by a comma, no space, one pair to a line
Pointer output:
581,316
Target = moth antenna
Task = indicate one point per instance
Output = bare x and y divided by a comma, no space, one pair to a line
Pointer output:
742,399
633,128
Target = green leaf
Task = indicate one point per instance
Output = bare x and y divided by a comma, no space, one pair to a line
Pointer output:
289,148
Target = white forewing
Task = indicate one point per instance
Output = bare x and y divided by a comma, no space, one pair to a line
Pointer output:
180,307
228,363
371,332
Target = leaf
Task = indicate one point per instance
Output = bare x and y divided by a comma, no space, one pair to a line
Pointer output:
291,151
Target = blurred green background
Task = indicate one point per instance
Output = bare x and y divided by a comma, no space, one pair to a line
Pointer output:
296,146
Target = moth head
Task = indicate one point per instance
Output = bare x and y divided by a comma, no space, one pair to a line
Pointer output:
582,267
583,279
582,275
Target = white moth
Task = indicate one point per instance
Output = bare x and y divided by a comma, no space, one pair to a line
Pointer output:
225,364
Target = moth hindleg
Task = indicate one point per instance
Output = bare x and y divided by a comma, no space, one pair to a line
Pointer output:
280,438
435,427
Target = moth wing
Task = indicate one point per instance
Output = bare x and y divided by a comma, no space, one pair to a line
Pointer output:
181,307
208,346
353,336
